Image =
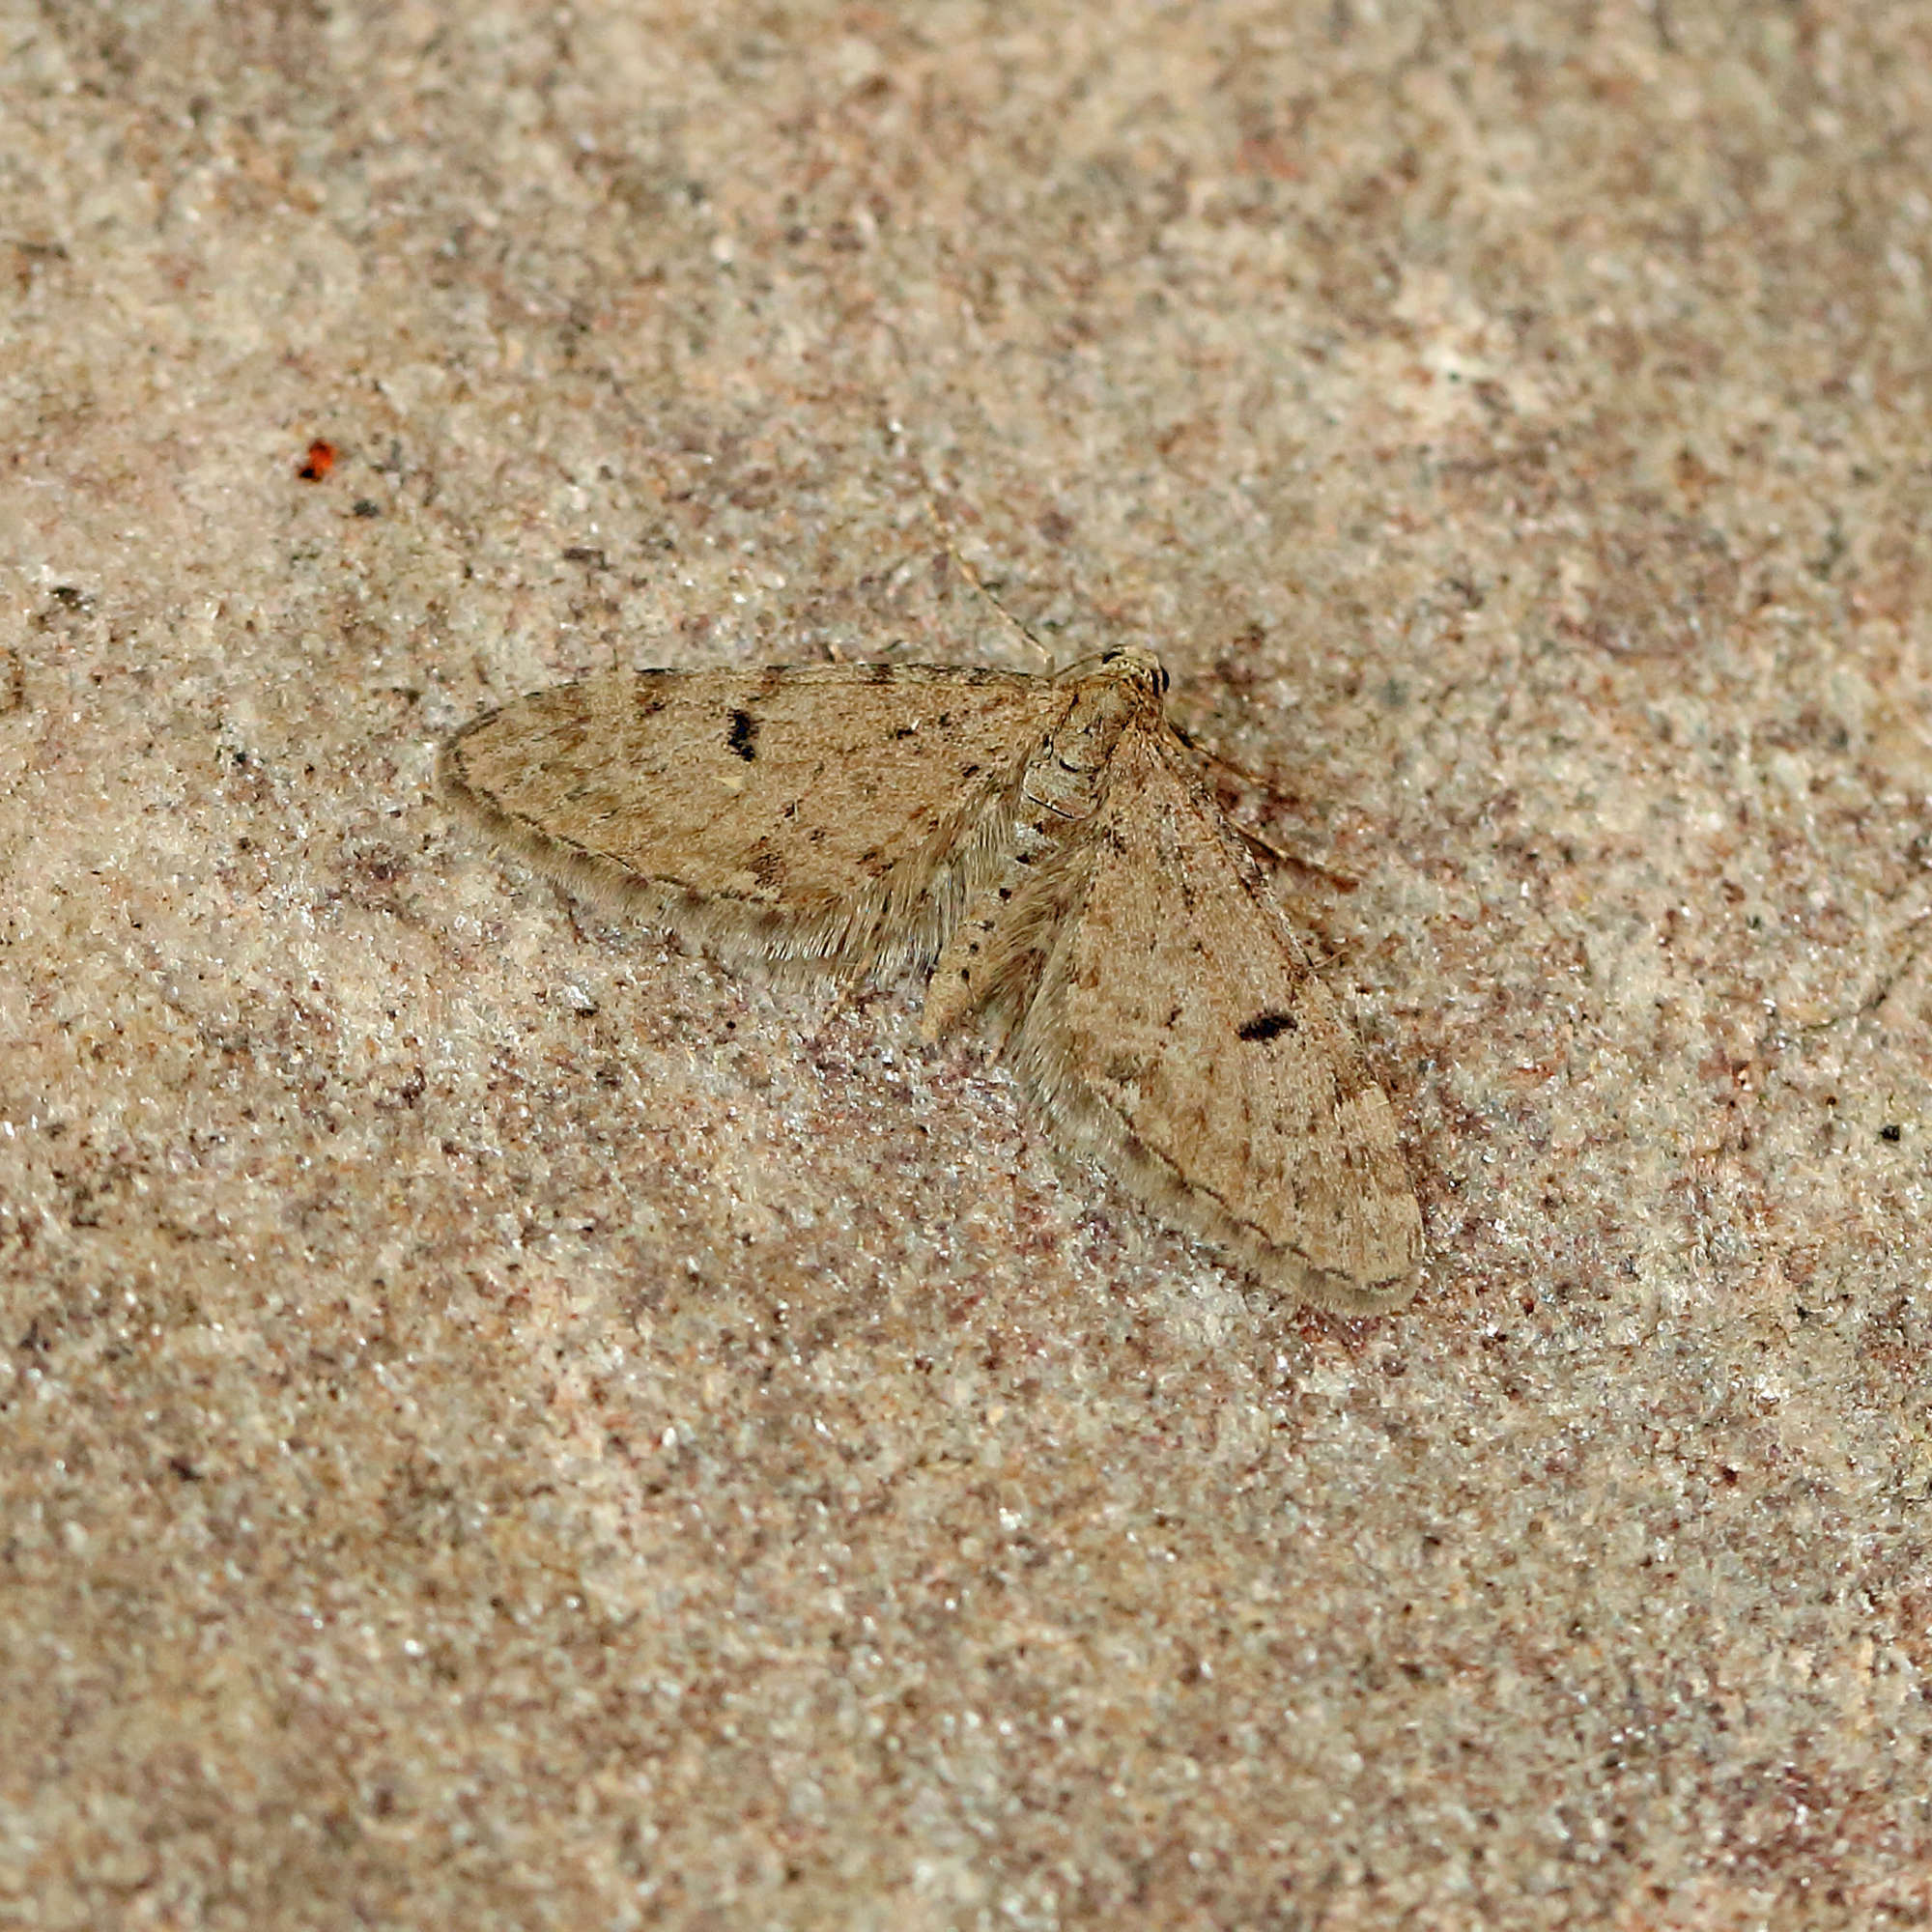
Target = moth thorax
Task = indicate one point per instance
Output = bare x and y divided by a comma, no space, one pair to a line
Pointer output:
1082,744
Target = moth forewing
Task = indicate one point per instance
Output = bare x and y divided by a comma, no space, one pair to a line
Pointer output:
1180,1035
824,815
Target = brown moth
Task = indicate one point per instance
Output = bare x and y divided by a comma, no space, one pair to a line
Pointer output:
1043,846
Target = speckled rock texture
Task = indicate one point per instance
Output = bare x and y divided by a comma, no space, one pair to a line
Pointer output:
505,1423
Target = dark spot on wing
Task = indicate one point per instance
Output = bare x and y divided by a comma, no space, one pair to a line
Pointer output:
1268,1026
743,735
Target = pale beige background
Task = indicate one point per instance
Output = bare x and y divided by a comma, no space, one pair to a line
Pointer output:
506,1424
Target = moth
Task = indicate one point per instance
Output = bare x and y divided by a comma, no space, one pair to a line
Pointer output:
1044,847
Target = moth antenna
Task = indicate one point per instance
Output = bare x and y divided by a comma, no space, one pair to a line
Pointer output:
895,433
1264,845
1213,758
1343,882
978,582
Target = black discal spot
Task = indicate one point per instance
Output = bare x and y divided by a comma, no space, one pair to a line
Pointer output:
743,735
1268,1026
1891,1133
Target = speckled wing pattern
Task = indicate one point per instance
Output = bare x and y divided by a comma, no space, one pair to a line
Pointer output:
1043,846
828,814
1179,1033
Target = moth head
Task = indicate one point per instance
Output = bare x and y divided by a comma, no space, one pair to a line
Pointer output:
1127,664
